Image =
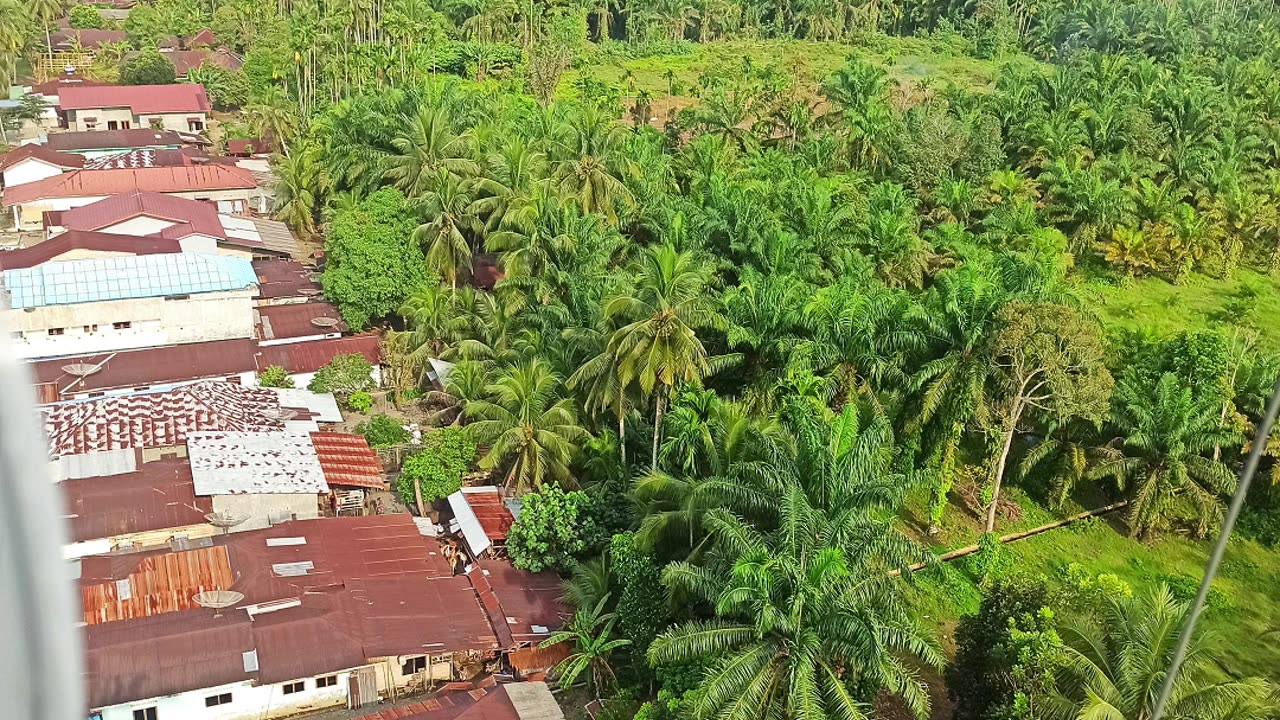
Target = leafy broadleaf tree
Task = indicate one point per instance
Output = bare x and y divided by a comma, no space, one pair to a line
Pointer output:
554,529
149,67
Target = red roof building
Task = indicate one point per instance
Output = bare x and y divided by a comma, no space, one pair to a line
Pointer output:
299,322
184,61
106,141
105,183
284,281
98,243
197,217
39,153
524,607
308,357
142,369
140,99
146,158
347,460
155,496
89,39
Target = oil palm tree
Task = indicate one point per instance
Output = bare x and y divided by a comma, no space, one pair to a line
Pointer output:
531,435
592,634
512,172
656,343
426,147
1161,460
1115,669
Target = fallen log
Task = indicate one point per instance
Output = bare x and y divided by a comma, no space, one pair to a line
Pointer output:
1014,537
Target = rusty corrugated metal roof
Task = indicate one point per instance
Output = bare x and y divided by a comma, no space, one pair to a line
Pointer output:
218,359
278,279
308,357
526,598
33,151
285,322
49,250
102,183
348,461
158,495
160,584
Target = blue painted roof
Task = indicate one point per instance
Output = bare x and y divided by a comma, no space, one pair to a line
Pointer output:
127,277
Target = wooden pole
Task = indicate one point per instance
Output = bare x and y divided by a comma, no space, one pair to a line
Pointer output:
1014,537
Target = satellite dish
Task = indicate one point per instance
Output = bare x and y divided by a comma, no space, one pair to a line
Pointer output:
225,520
81,369
217,600
325,322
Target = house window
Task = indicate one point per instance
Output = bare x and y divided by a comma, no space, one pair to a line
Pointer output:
216,700
122,325
91,328
195,124
124,124
414,665
292,688
90,125
113,125
178,297
54,332
327,681
146,714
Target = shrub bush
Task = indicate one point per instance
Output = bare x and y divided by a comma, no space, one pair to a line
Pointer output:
446,456
381,431
275,376
553,530
361,402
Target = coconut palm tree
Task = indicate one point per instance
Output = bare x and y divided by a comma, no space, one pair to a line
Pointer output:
45,13
1161,459
300,183
424,148
592,634
656,343
274,117
446,205
531,435
1115,669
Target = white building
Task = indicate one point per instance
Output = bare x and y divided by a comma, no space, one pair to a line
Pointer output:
32,163
118,303
156,107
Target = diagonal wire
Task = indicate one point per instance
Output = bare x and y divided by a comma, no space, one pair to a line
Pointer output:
1219,549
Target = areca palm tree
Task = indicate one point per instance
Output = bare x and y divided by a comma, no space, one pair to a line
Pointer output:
656,344
592,634
1168,432
1115,669
446,205
530,433
426,147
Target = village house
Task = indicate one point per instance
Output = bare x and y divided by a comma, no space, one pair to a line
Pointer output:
31,163
105,143
116,303
155,107
231,189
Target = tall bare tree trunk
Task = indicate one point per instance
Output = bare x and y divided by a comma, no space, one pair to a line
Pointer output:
1011,427
622,435
658,413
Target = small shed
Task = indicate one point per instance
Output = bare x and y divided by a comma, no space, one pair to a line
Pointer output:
482,517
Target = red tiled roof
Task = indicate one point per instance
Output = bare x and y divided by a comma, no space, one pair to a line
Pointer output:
283,322
103,183
149,420
90,39
52,87
347,460
215,360
279,279
158,495
32,151
83,240
201,216
140,99
184,61
121,139
308,357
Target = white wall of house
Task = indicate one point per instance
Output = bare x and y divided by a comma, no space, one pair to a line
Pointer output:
29,171
90,327
140,226
76,119
173,121
259,507
248,702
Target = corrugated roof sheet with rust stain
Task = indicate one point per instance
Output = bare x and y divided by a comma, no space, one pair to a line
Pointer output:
280,279
162,419
376,588
104,183
527,599
216,360
348,461
308,357
160,583
39,153
157,496
141,99
285,322
254,463
119,140
492,513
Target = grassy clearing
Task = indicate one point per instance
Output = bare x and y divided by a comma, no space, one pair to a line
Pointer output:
1249,300
1245,602
808,63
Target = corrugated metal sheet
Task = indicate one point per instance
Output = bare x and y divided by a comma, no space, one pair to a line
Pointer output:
101,183
116,139
254,463
160,584
308,357
149,420
155,496
281,279
200,216
323,407
472,532
348,461
83,240
32,151
216,360
526,599
123,278
142,158
490,511
142,99
284,322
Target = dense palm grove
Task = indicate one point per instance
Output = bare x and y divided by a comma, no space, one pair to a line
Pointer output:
742,360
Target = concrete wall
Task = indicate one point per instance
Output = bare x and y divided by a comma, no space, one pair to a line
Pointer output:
75,118
29,171
248,702
153,322
172,121
259,507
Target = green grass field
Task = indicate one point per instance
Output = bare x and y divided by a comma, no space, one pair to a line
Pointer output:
1244,605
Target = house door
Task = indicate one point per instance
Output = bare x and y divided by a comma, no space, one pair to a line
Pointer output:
362,688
